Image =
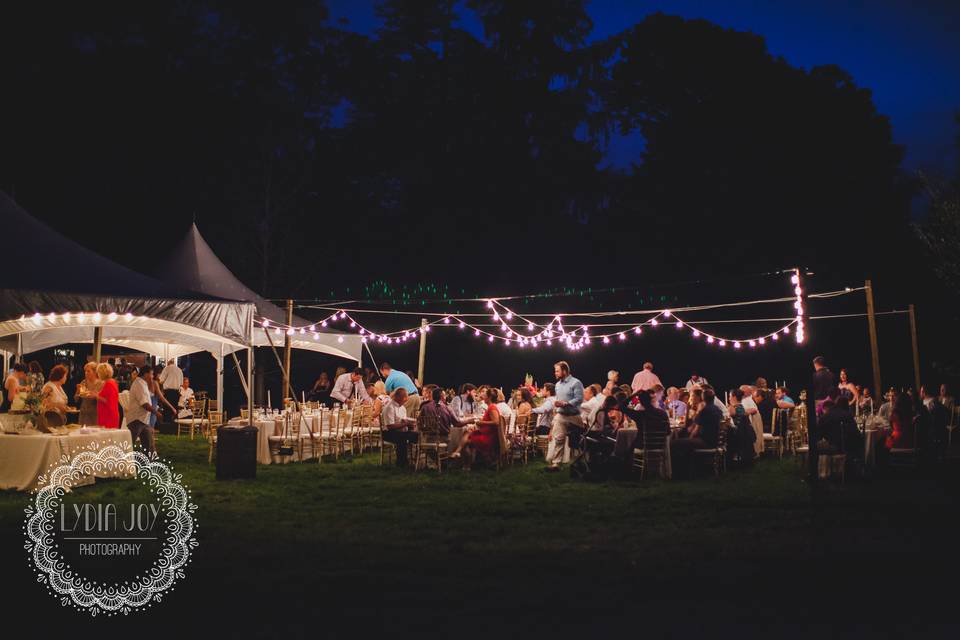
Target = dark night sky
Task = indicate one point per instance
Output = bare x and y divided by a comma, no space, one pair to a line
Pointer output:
906,52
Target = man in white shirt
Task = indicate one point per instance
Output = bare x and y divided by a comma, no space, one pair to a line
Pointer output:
645,379
545,411
592,400
138,410
696,382
753,414
349,387
171,378
397,427
186,395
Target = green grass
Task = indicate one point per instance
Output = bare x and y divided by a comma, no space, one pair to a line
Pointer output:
382,546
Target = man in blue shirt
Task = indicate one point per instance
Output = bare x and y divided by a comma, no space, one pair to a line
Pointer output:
393,380
566,419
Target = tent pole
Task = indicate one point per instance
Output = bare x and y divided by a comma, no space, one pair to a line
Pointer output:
6,364
423,349
220,365
286,353
250,371
97,343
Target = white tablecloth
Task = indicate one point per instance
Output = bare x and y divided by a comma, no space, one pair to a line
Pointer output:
24,457
13,421
311,422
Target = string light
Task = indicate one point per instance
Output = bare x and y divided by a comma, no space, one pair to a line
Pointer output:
575,339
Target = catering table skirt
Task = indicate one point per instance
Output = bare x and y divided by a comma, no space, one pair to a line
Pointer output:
314,422
873,438
24,457
627,439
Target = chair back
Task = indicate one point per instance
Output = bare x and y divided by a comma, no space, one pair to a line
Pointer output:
502,434
213,404
429,429
654,440
215,418
245,413
781,421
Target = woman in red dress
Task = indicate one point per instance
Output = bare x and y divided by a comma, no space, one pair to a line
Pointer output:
901,422
483,439
108,411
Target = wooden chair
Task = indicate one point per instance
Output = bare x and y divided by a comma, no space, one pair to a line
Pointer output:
779,426
245,413
213,404
522,437
216,421
717,455
354,431
503,446
198,419
370,430
653,445
431,440
907,456
288,443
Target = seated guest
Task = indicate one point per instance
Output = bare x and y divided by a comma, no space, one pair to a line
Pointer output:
746,400
186,397
505,410
901,423
546,409
886,409
675,406
348,388
704,434
784,401
946,397
613,381
525,402
482,440
717,402
380,398
865,403
936,418
649,417
657,393
696,382
320,391
450,424
592,400
836,426
694,405
464,404
396,427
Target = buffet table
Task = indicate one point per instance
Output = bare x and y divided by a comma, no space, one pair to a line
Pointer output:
29,454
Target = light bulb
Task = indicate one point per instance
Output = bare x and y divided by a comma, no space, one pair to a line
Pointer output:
476,332
529,326
762,341
352,324
290,332
622,336
313,328
795,279
265,324
490,339
509,315
723,343
666,314
654,322
112,316
606,340
461,325
710,339
679,325
316,336
323,324
446,320
775,337
637,330
752,343
786,329
696,334
736,345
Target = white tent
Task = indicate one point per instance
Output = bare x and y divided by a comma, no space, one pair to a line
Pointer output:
41,306
193,266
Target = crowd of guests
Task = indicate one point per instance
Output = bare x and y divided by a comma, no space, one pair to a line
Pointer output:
156,394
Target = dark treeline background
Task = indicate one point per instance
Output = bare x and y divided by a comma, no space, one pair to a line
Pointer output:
317,159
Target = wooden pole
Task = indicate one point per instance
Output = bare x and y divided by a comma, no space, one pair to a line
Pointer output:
423,349
286,352
97,343
874,351
250,356
916,350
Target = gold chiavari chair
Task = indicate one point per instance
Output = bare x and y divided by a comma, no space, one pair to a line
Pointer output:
197,419
653,446
717,455
431,440
503,445
354,431
779,426
245,413
371,430
519,440
216,421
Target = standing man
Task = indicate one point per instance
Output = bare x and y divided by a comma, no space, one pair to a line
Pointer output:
544,412
696,382
645,379
349,388
393,380
566,420
170,380
824,384
397,427
139,408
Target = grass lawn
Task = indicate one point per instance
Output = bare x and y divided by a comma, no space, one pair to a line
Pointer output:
353,549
